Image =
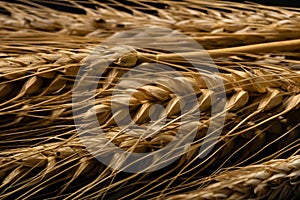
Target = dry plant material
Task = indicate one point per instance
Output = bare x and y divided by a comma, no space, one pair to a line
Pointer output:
255,48
276,179
213,24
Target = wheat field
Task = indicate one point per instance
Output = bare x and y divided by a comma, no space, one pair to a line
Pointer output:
254,50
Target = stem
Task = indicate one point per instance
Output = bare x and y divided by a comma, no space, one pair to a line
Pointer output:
253,48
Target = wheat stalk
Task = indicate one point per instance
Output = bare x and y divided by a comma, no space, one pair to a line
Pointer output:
209,25
61,81
276,179
35,168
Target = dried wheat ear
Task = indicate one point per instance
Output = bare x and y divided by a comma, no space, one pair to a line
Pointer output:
216,24
276,179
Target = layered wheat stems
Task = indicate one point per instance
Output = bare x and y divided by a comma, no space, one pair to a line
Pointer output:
216,24
276,179
36,84
33,82
260,108
262,118
25,172
39,60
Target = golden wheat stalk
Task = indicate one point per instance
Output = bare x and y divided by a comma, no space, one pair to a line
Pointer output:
275,179
213,24
238,84
39,167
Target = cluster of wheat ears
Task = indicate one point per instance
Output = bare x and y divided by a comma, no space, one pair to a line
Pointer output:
255,48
